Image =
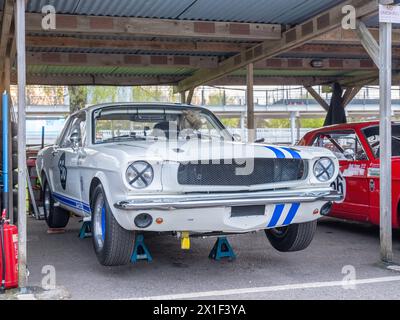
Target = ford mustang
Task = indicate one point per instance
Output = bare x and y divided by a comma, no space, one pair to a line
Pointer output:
357,147
175,168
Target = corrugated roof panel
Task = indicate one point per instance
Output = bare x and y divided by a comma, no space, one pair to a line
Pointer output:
37,69
261,11
146,71
301,73
134,71
267,11
129,51
135,8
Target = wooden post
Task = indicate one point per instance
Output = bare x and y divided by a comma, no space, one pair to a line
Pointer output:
190,96
250,103
183,97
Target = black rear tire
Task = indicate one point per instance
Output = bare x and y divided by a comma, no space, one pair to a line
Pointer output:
113,244
55,217
295,237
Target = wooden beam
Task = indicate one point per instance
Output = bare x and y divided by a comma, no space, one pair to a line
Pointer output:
307,64
132,80
183,97
116,60
156,27
7,18
97,59
97,79
291,39
349,37
190,96
137,44
349,95
368,41
250,103
318,98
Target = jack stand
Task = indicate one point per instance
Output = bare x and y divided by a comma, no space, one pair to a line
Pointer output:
185,241
85,231
140,252
222,249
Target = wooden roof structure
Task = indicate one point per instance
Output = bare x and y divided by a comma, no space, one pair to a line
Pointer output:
189,43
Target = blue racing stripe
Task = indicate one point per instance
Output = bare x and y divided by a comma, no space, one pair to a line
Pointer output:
279,154
291,214
292,152
276,215
72,202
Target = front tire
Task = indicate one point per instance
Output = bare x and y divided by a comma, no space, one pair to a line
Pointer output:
55,217
113,244
295,237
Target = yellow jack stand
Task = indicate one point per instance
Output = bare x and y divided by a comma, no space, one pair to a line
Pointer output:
185,241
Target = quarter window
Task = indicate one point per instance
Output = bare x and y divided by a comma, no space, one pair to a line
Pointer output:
76,124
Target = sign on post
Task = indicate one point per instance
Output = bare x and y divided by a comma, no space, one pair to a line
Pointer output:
389,13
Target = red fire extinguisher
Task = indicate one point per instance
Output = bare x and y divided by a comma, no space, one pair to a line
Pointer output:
8,254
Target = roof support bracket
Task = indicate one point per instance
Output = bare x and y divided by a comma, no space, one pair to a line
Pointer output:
368,41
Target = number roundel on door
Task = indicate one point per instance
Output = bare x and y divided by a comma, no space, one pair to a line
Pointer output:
63,171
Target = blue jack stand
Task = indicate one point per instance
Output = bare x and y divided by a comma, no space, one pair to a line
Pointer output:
140,252
222,249
85,231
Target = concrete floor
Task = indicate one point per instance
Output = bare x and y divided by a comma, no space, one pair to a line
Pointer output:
259,271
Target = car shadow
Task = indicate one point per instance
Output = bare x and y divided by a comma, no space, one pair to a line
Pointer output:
364,229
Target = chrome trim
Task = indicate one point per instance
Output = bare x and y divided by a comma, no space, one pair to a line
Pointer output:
187,201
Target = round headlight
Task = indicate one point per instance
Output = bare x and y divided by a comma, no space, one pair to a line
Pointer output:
324,169
140,174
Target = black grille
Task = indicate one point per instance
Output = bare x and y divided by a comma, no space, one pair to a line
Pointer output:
222,174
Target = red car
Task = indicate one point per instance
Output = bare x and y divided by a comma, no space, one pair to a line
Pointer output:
357,147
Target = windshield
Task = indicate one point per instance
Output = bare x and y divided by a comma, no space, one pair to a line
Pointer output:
113,124
372,136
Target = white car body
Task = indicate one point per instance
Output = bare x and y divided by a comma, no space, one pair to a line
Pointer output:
176,206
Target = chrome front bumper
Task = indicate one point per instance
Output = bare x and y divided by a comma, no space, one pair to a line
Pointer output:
187,201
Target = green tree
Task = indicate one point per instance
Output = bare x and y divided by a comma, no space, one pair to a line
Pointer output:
103,94
77,97
230,122
149,94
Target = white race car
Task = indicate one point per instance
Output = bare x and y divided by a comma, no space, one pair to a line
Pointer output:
175,168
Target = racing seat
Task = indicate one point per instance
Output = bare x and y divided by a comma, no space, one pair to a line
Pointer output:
167,127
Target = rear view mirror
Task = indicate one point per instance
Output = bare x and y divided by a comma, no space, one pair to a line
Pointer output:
75,140
237,137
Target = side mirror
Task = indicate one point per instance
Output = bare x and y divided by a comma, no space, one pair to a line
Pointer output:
75,140
237,137
349,154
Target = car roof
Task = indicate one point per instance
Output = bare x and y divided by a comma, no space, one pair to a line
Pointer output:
346,126
142,105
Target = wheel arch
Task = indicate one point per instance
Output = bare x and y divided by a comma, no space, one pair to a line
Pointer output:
93,184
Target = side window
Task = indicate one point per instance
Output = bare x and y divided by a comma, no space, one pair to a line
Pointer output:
76,124
345,145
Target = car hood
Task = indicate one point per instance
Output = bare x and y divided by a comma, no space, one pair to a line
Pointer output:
192,150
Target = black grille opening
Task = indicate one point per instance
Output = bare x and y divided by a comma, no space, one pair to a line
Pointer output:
218,173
